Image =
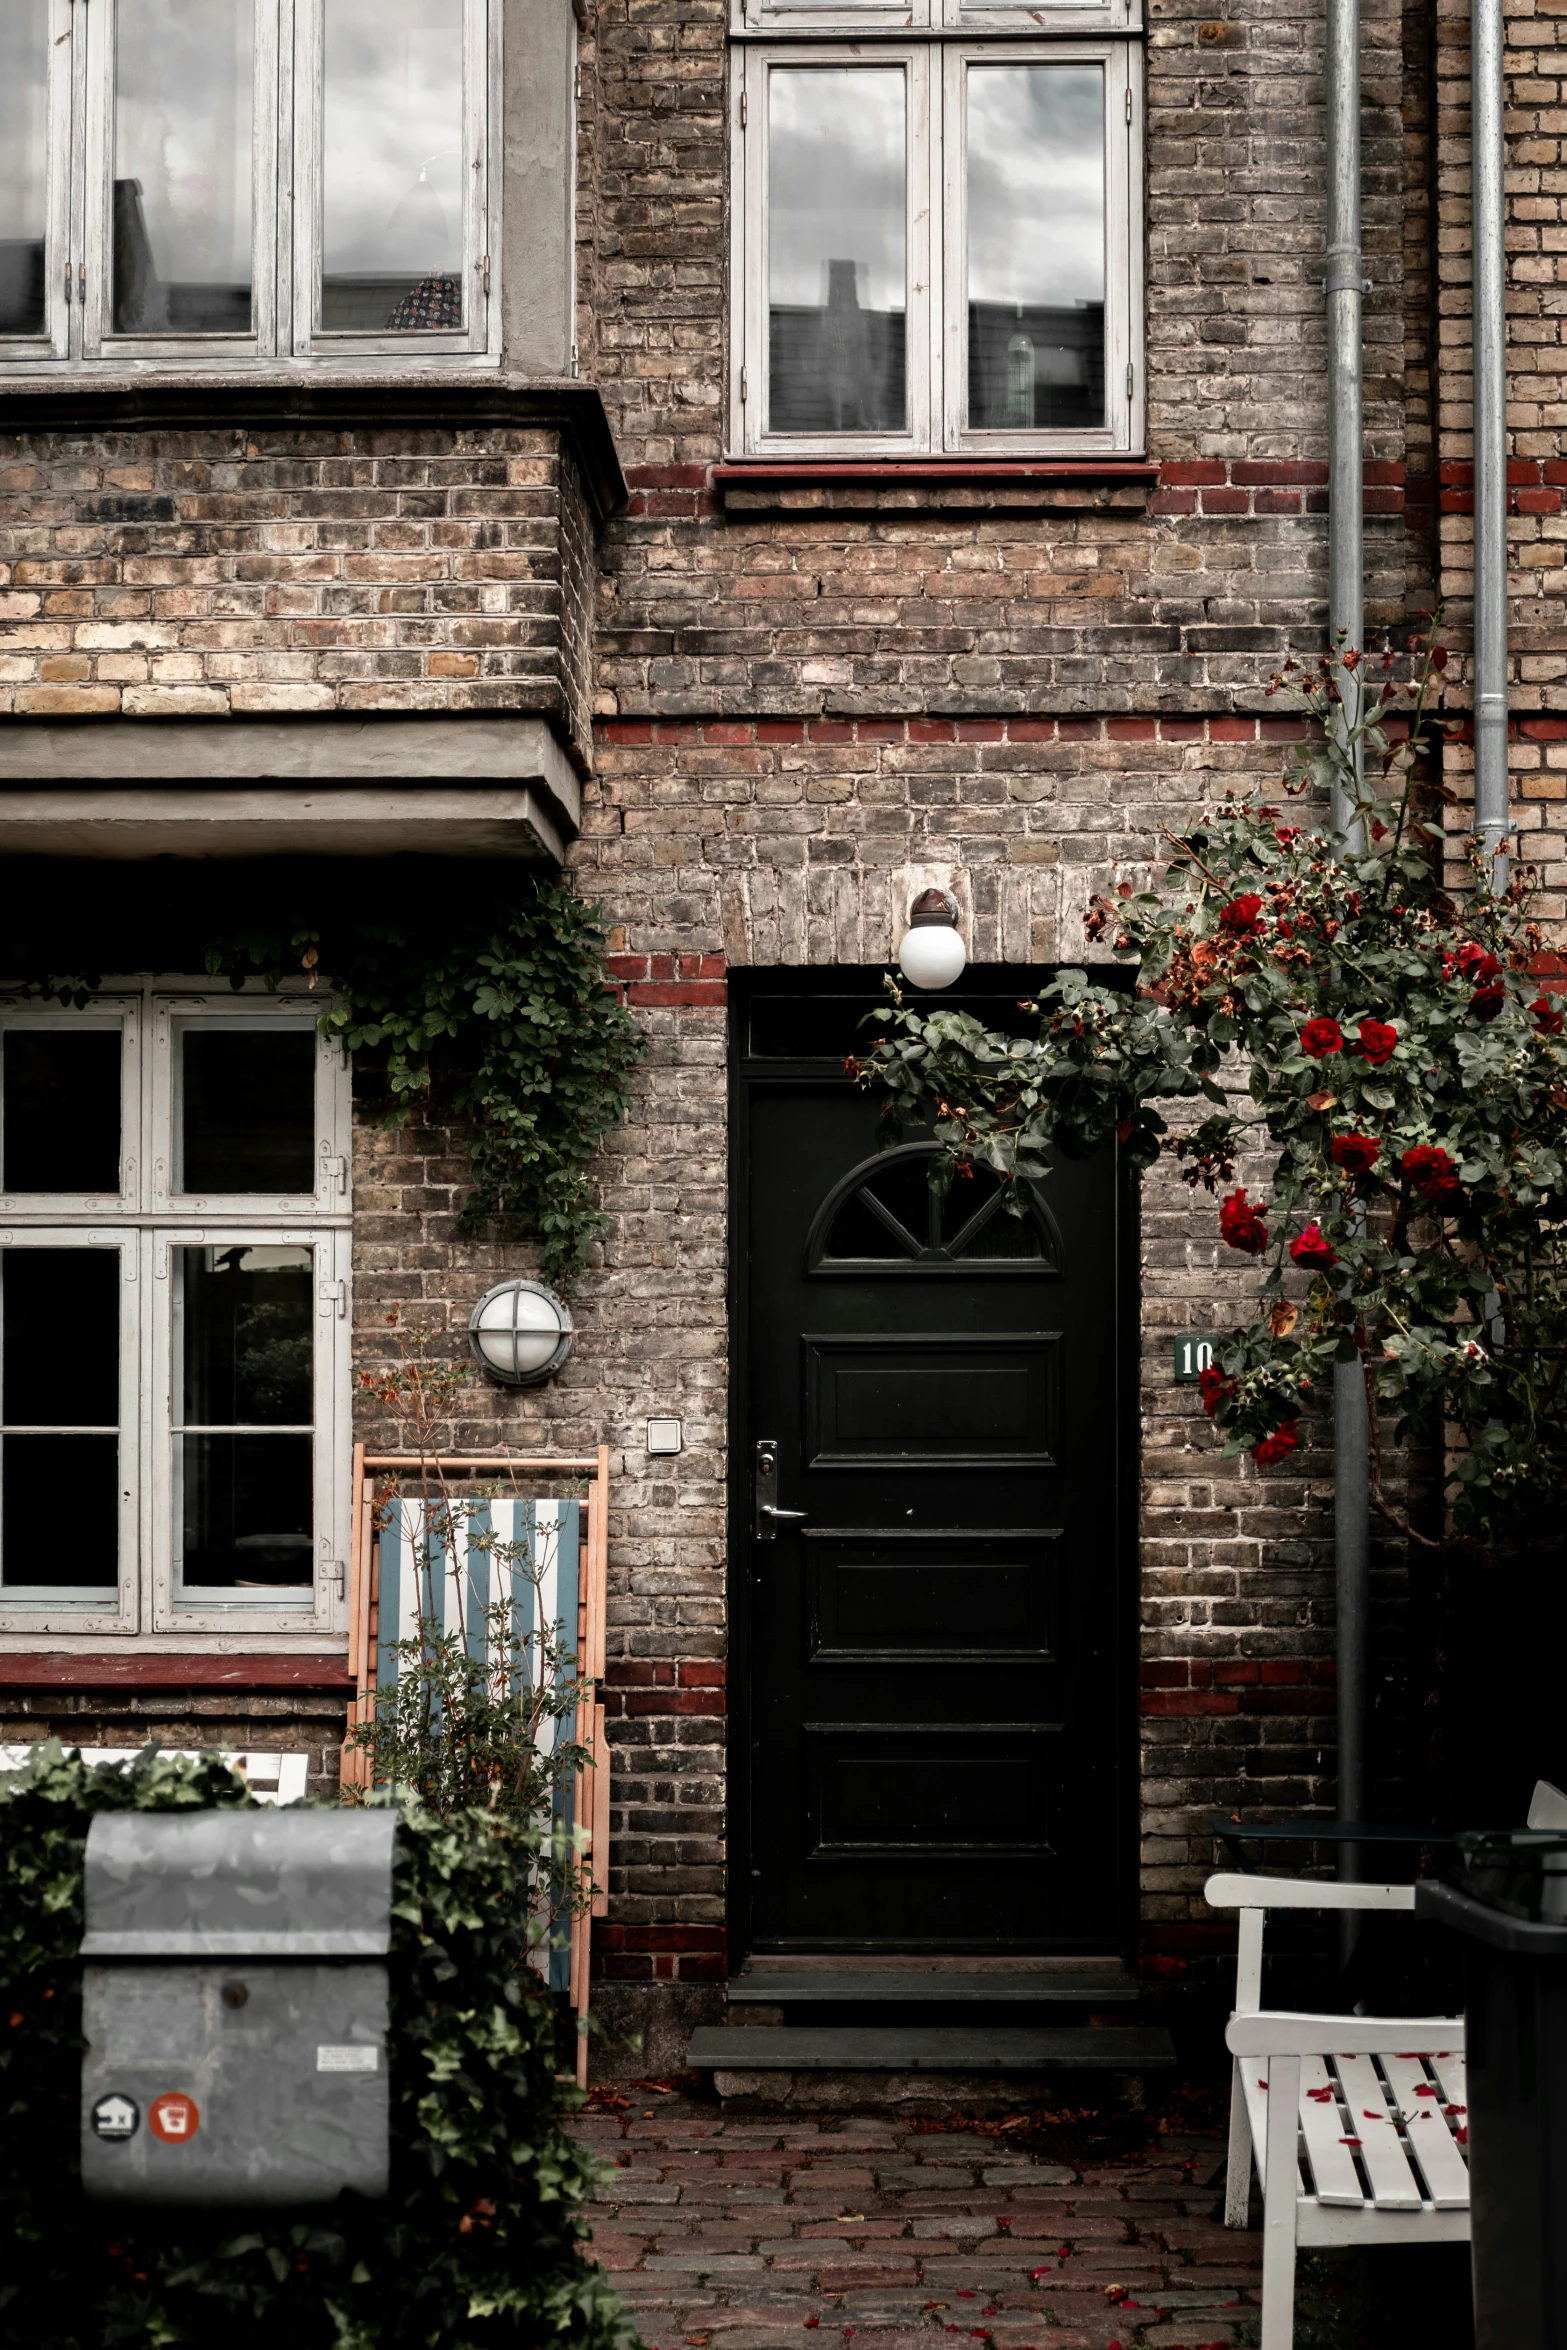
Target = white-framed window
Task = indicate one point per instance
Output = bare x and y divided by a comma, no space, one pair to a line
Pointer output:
231,182
937,248
810,19
174,1313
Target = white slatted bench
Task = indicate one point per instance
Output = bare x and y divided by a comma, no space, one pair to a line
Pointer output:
1356,2123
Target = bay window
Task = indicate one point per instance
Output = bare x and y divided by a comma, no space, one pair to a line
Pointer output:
211,182
174,1260
935,249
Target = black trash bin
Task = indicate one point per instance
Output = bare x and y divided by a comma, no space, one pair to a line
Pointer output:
1511,1910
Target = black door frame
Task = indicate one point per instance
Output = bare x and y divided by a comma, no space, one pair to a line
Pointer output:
746,987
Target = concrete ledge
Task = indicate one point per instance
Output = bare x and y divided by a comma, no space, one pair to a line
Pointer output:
795,2048
191,822
851,2091
223,787
330,749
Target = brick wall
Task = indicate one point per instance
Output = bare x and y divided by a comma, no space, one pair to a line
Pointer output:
262,1721
223,572
810,702
814,700
1536,238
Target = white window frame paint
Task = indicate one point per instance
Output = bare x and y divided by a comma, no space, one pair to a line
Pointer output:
107,1010
481,85
50,1608
937,316
1123,251
99,341
151,1216
173,1608
285,212
815,19
751,373
54,344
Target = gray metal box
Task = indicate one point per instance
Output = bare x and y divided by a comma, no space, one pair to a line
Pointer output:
234,2013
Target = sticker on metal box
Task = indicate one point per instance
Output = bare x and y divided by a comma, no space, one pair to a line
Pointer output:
347,2059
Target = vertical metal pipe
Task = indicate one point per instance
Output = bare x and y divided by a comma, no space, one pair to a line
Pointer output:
1344,287
1489,274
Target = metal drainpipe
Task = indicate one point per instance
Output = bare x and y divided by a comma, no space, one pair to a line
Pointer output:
1486,37
1344,287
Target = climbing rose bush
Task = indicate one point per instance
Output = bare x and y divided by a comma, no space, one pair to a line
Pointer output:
1404,1065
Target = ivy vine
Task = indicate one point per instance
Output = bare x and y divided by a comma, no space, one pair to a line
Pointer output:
501,1009
479,2242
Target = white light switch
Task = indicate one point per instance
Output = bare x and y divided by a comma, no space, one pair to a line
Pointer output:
665,1435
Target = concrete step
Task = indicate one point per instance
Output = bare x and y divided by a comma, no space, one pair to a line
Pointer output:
1101,1986
821,2048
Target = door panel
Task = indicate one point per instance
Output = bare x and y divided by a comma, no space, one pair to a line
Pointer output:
934,1677
917,1401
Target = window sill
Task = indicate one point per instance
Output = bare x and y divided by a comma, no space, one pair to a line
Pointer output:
147,1668
391,394
926,485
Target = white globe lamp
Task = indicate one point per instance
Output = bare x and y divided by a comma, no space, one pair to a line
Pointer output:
930,952
520,1333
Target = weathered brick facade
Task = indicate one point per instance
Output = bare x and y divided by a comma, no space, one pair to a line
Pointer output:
266,569
810,699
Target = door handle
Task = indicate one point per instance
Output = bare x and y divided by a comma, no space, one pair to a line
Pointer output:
768,1517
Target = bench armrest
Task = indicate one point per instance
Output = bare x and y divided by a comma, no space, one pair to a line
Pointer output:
1236,1892
1278,2034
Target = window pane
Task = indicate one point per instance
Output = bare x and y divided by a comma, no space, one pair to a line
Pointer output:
248,1109
61,1111
60,1348
1036,294
24,154
246,1335
60,1512
245,1518
836,270
392,166
182,167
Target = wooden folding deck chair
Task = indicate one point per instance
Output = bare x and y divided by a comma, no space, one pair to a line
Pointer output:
1356,2123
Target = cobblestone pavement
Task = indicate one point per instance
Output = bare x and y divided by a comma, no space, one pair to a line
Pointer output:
888,2234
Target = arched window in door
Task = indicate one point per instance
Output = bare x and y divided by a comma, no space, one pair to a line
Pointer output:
885,1217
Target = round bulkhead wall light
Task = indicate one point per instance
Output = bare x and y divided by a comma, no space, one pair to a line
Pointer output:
931,953
520,1333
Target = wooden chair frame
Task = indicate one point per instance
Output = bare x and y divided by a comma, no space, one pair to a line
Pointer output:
1280,2064
591,1786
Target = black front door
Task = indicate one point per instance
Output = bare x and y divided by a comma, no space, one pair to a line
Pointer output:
933,1620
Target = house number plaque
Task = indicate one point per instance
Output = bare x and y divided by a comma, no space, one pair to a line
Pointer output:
1194,1353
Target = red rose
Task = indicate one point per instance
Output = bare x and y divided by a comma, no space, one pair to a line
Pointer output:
1355,1153
1215,1389
1241,1224
1547,1016
1286,835
1242,917
1377,1040
1430,1170
1320,1037
1473,961
1278,1446
1311,1250
1486,1002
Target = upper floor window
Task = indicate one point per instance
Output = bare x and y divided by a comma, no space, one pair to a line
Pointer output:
174,1269
203,182
936,249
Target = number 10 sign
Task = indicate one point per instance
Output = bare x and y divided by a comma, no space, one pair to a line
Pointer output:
1194,1353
